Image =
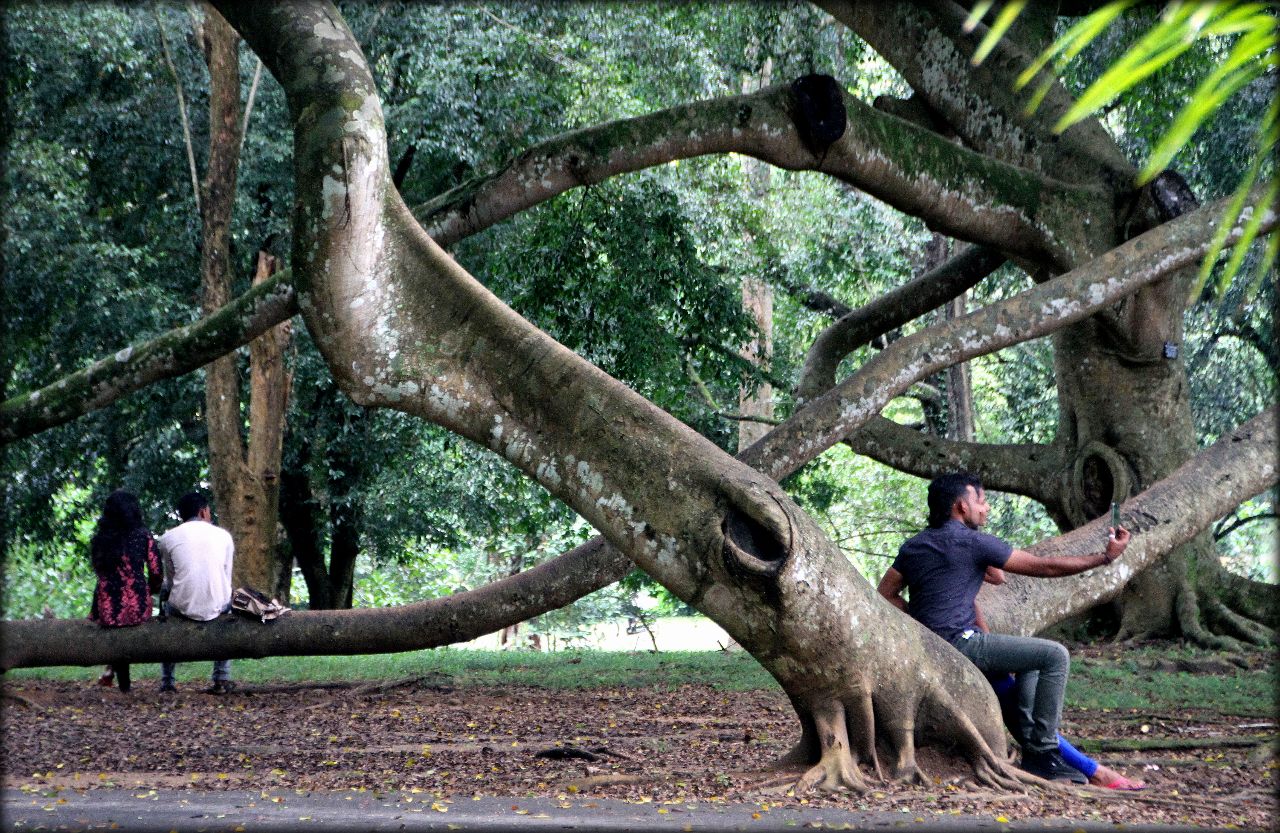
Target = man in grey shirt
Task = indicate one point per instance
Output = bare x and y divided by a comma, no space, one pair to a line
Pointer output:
197,572
943,568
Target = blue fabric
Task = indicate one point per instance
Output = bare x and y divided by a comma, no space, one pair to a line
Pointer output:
942,568
1076,759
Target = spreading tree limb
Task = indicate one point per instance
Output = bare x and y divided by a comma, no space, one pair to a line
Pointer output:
1028,469
1037,311
892,309
958,192
176,352
1171,512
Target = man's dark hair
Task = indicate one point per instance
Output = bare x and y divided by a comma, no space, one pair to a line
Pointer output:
190,504
944,491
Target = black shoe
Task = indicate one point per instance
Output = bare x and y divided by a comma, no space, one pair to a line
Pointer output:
168,688
221,687
1050,766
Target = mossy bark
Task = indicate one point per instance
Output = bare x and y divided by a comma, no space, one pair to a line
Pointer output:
1125,418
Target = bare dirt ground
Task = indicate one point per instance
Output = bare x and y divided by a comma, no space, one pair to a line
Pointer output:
691,743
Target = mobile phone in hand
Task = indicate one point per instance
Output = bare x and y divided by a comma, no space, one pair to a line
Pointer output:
1115,515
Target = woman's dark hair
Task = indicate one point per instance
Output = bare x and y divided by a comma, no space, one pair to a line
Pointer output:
944,491
121,514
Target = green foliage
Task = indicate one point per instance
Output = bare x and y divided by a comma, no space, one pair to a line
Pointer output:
1243,39
54,577
867,508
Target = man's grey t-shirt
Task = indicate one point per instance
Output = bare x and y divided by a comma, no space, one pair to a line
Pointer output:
942,568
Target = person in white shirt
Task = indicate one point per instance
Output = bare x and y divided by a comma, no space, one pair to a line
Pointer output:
197,559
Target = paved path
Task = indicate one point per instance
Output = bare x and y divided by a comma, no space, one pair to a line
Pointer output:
242,811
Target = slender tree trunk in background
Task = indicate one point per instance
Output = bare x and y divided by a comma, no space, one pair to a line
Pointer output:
299,514
245,480
302,513
217,200
757,297
269,385
960,422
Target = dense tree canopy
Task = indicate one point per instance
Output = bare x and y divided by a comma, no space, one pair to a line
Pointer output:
584,168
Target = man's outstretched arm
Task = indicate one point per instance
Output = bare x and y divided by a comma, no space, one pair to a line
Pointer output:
1025,564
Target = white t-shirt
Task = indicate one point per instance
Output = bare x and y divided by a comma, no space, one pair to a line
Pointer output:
197,568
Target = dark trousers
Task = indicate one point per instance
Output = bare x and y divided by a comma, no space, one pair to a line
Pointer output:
1042,667
121,670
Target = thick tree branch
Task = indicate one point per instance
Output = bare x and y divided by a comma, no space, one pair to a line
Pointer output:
958,192
167,356
1047,307
923,41
893,309
1028,469
428,624
1169,513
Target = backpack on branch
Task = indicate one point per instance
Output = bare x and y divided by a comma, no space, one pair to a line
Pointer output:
253,603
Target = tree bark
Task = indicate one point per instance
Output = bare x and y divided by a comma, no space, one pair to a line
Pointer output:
245,476
270,382
373,286
167,356
757,299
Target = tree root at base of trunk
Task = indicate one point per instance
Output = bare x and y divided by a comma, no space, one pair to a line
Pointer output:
836,769
834,772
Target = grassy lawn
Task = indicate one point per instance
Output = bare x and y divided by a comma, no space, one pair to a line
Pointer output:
1120,684
1129,683
734,671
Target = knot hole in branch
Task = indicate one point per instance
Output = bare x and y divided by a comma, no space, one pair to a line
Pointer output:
757,538
818,112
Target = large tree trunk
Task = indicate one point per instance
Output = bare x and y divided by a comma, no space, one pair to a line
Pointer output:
1125,418
403,326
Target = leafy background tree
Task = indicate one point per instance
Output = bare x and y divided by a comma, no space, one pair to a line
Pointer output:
654,262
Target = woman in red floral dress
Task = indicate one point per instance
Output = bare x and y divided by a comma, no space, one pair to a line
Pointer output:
128,567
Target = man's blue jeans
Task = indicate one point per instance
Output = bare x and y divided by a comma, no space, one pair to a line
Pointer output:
221,671
1042,667
221,667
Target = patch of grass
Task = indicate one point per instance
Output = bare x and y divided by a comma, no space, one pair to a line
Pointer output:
733,671
1127,685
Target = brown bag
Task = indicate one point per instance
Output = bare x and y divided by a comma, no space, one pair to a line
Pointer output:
254,603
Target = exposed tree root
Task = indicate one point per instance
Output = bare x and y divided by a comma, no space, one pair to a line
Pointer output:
1254,600
835,771
992,773
1241,627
